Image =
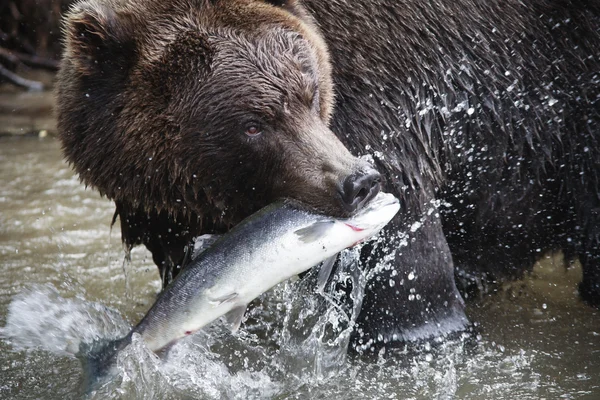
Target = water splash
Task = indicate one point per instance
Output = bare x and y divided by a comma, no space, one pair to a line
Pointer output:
292,345
317,327
39,317
255,363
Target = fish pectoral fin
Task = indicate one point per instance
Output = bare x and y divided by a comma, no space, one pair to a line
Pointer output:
314,232
217,301
325,272
234,318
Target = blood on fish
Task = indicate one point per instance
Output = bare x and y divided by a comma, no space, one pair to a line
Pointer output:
355,228
188,333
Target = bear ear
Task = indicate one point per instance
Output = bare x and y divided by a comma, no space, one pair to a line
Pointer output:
98,39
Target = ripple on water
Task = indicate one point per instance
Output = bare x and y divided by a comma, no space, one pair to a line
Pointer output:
252,364
61,282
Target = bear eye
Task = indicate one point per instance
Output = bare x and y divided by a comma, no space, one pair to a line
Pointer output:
253,129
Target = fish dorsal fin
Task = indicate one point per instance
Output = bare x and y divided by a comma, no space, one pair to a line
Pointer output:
325,272
217,301
314,232
234,318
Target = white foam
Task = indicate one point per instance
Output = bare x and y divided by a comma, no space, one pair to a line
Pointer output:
39,317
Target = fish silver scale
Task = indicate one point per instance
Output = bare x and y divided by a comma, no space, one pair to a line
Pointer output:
261,248
265,249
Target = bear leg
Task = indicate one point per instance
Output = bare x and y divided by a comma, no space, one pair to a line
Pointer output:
415,296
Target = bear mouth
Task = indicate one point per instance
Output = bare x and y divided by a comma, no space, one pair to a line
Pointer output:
337,209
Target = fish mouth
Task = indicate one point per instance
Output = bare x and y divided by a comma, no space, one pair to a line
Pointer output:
380,210
381,200
376,201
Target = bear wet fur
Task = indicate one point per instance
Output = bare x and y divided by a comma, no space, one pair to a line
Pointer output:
482,117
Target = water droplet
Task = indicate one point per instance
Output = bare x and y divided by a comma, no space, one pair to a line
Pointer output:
415,226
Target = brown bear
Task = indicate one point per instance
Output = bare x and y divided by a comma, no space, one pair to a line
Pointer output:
482,117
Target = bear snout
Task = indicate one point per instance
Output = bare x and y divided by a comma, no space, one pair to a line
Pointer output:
359,188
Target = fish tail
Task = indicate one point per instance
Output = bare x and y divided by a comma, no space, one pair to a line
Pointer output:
98,359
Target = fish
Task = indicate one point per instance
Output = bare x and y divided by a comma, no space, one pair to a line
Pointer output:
277,242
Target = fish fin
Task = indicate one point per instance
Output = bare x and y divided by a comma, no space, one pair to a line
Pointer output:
217,301
325,272
314,232
234,317
98,360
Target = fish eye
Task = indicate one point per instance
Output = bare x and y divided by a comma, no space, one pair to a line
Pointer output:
253,129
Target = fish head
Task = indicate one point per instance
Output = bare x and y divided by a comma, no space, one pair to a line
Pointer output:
337,234
374,216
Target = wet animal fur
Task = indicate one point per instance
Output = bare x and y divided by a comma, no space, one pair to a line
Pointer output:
129,66
490,108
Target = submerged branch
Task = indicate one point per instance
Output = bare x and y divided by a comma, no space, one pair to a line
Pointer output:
17,80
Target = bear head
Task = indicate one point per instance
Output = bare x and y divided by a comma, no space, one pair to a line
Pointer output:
198,107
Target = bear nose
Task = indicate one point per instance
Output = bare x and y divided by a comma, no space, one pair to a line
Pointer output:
359,188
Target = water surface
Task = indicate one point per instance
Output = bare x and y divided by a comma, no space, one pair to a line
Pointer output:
62,280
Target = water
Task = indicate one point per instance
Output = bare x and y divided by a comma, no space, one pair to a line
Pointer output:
62,281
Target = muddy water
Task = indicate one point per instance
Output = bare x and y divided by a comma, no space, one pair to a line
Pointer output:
62,281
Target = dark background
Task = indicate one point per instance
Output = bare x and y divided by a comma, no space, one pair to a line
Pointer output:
30,32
